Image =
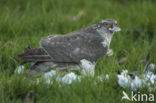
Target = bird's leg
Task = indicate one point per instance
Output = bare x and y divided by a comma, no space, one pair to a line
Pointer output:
110,52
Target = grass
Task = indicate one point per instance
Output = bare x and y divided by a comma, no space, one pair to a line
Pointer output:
25,22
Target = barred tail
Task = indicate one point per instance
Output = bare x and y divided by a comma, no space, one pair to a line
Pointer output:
36,54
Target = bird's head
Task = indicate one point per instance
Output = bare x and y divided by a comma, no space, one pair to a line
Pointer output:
107,26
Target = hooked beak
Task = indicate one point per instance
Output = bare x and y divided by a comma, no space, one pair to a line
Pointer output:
114,29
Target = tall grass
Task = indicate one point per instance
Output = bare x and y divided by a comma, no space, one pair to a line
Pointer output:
25,22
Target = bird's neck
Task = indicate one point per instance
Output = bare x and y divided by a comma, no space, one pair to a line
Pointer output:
106,36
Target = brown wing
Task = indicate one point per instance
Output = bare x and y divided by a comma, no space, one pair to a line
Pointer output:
74,46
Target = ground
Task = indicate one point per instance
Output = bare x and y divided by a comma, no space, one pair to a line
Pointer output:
24,22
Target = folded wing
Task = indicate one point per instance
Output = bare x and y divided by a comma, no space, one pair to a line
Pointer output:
74,47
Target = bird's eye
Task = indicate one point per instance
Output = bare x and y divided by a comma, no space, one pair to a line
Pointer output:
105,24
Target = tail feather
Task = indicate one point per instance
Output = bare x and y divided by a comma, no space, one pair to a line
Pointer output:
36,54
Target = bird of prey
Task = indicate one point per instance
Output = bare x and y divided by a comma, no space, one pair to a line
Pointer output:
89,43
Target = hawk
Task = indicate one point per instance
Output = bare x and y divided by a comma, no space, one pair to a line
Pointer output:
89,43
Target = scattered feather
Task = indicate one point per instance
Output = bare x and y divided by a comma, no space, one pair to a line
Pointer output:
70,77
20,69
49,75
102,77
147,79
116,29
125,80
151,67
87,68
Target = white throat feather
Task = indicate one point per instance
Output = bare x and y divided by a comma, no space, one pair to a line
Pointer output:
107,37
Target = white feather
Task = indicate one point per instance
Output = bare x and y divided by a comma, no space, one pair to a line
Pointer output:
70,77
20,69
87,68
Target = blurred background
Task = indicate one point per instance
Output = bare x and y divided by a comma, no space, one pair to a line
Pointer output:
24,22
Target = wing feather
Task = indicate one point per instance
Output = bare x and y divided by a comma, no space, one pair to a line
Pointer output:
74,46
